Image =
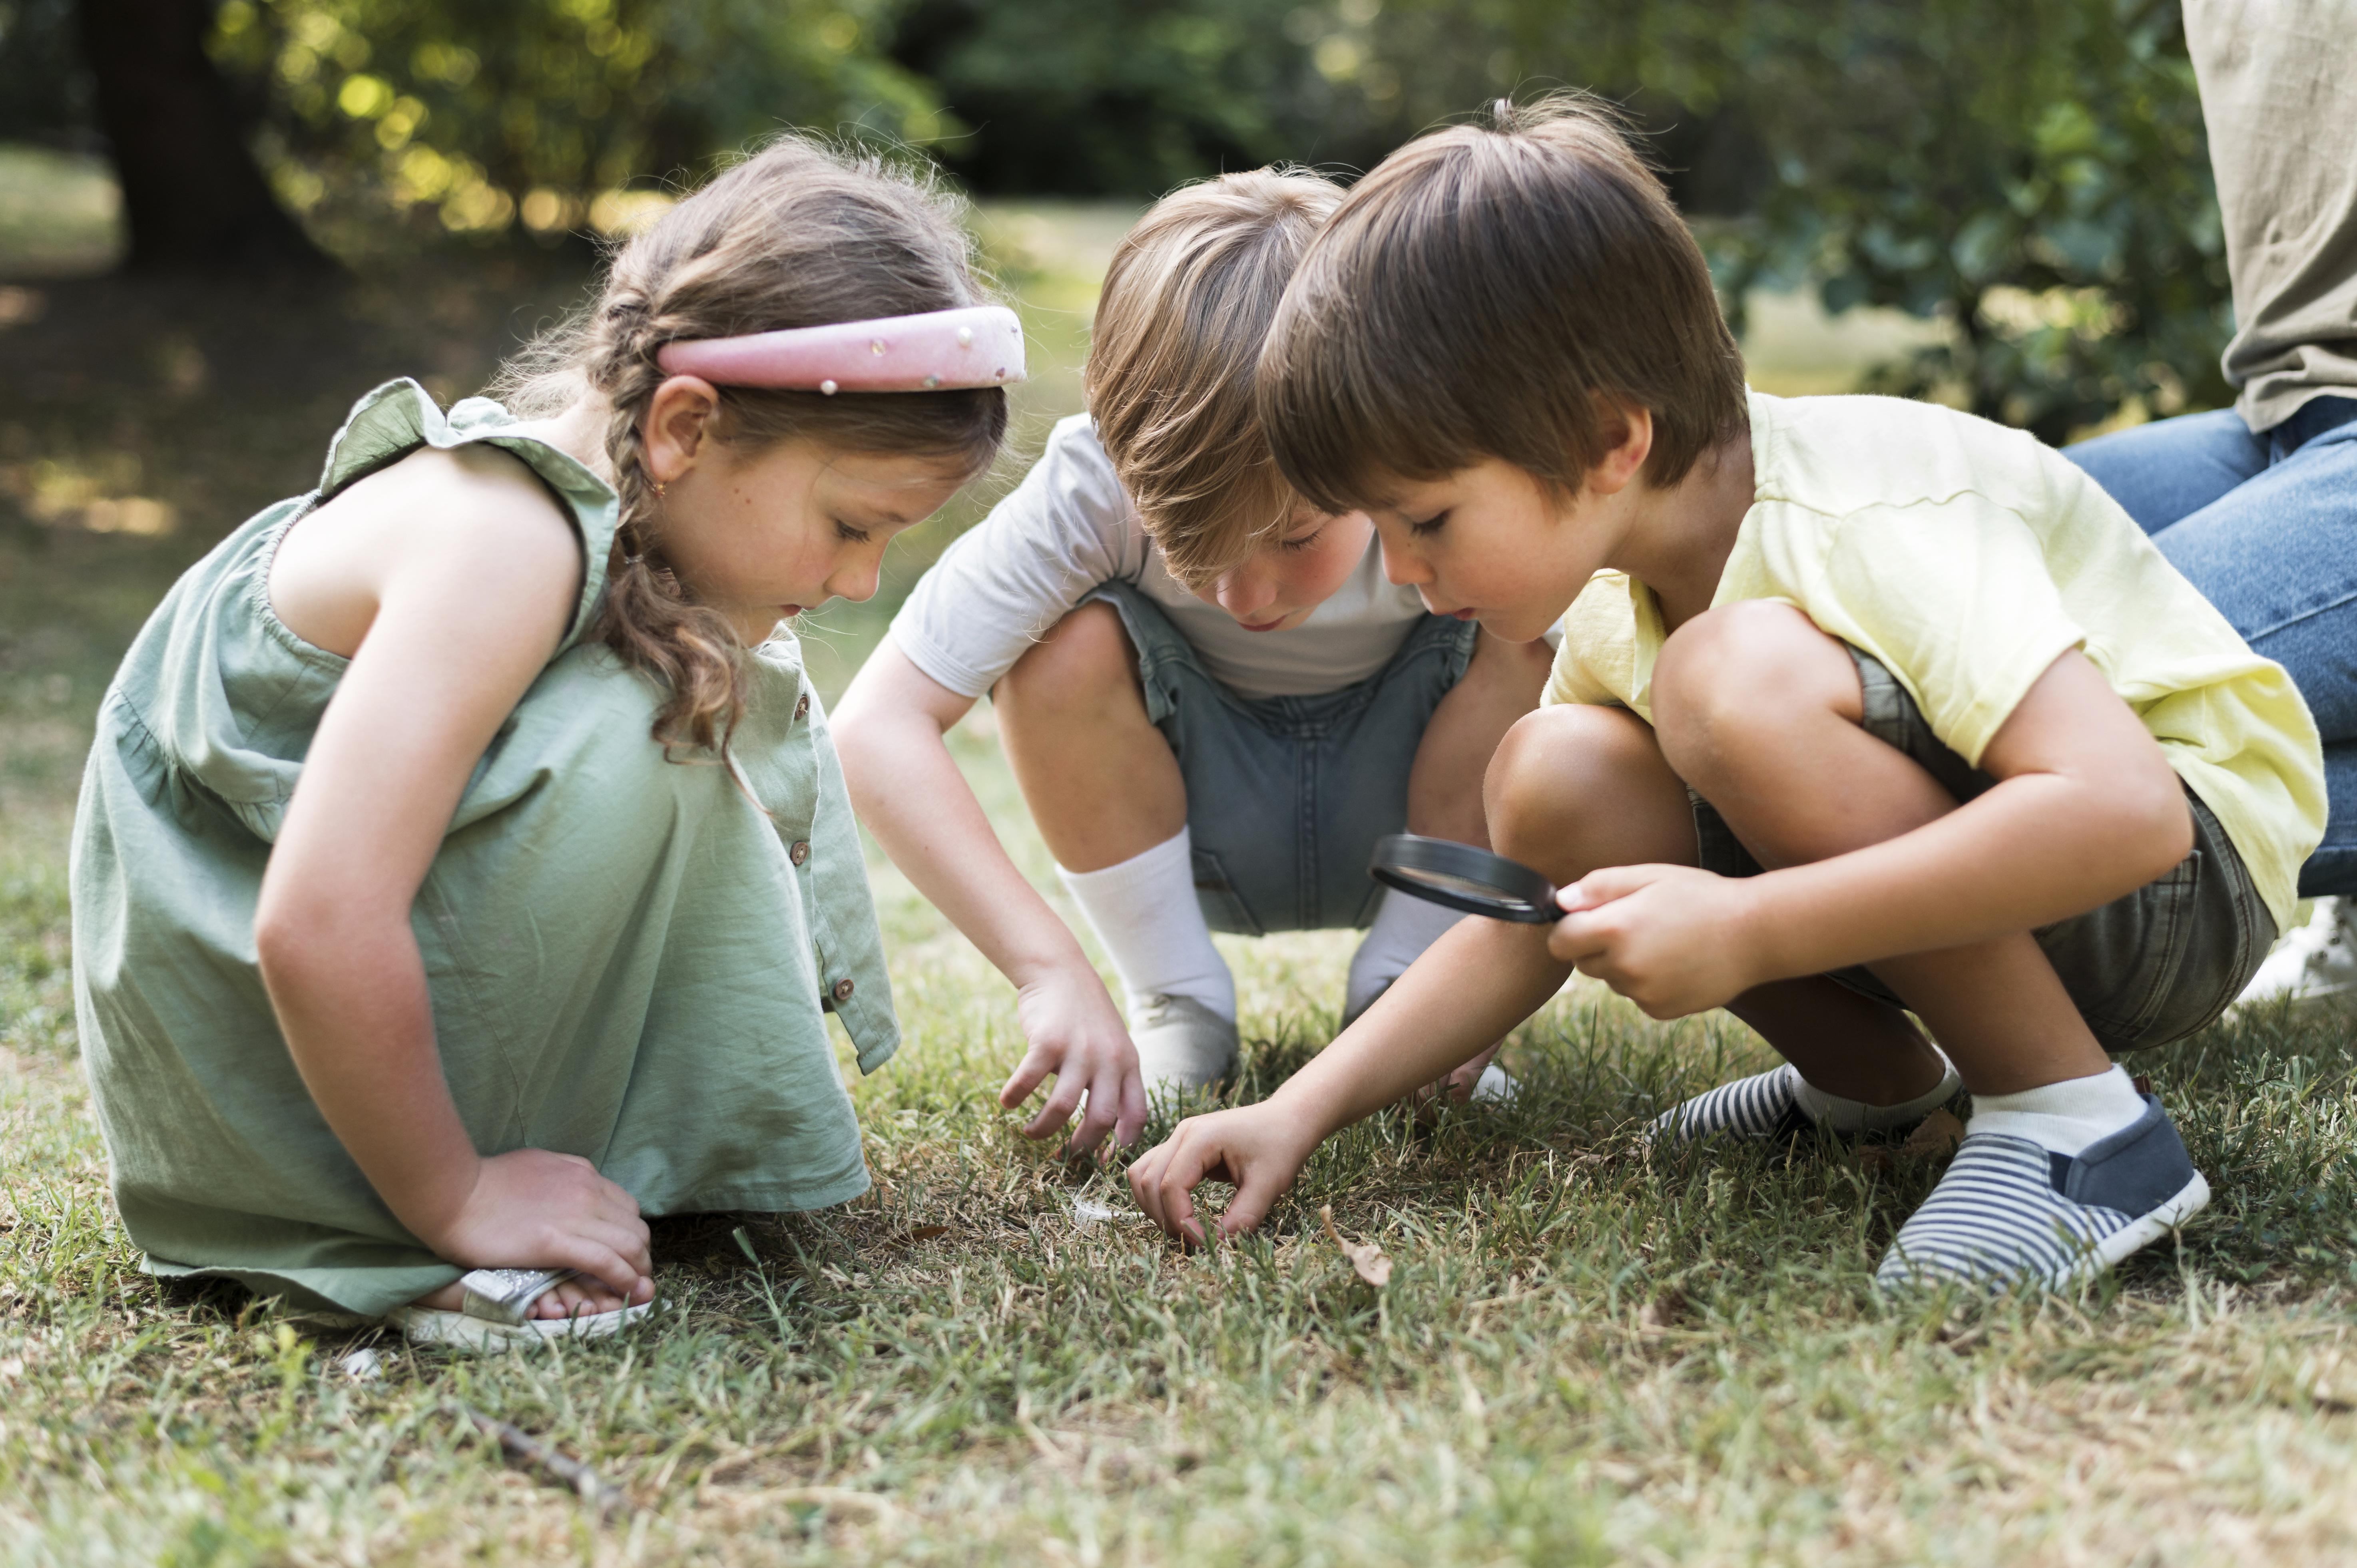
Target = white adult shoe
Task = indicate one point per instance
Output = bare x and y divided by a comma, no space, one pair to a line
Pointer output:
1181,1044
2311,963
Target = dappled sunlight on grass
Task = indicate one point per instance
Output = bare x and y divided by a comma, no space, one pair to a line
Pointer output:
61,214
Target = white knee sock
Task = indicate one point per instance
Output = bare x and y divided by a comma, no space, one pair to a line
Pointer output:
1403,927
2063,1117
1143,911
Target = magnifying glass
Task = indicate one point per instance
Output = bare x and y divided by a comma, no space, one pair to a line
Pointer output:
1458,876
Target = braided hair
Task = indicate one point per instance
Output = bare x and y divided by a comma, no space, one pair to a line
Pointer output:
799,233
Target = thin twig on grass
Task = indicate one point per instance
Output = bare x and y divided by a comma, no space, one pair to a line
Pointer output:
524,1447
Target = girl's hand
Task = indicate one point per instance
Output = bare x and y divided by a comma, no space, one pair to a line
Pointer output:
531,1209
1076,1034
1259,1148
1671,938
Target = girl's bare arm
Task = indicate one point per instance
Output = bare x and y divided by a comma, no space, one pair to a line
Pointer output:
448,580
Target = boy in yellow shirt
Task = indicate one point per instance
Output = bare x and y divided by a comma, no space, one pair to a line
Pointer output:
1865,709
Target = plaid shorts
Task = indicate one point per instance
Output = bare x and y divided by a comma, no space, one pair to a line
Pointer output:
2147,968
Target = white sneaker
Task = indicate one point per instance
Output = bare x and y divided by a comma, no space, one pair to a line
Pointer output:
1181,1044
1496,1086
2314,962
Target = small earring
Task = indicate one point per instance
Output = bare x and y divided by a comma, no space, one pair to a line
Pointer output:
659,490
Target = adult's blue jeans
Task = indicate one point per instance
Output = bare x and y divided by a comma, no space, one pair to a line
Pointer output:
2266,526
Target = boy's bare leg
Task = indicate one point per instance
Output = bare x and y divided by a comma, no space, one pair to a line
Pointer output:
1100,780
1575,787
1843,1043
1568,789
1444,785
1762,712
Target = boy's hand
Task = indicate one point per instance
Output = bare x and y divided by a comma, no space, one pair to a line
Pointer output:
1076,1035
1671,938
531,1209
1259,1148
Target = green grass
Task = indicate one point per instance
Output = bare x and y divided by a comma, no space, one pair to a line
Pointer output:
1583,1355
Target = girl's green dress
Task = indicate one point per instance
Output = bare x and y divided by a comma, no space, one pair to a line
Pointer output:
629,961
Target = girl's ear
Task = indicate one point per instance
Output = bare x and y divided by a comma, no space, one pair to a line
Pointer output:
678,426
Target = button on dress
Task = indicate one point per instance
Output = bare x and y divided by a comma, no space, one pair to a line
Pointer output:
630,958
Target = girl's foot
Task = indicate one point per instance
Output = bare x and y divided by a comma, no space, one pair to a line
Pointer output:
572,1309
575,1297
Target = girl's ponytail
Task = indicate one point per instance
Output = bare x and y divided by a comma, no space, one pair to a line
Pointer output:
646,616
797,235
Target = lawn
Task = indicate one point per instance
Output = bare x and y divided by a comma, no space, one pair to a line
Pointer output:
1582,1354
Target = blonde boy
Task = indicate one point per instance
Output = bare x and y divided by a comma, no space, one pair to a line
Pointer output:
2004,768
1213,700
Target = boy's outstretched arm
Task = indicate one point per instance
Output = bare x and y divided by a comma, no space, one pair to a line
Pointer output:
1470,988
2086,809
1570,789
888,731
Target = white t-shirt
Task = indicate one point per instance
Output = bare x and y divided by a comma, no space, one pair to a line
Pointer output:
1068,527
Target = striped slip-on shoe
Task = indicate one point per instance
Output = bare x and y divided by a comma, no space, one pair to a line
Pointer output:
2011,1213
1763,1108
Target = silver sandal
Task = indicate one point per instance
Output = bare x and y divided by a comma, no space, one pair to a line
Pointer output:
495,1314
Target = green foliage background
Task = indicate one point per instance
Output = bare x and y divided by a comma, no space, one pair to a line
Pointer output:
2033,172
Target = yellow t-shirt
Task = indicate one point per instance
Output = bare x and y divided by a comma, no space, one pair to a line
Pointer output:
1967,558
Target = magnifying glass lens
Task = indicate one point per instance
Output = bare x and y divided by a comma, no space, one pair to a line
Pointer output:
1463,886
1459,876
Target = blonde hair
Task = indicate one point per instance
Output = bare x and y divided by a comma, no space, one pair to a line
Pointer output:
798,234
1477,294
1187,301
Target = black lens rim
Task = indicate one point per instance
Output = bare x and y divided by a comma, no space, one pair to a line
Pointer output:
1525,898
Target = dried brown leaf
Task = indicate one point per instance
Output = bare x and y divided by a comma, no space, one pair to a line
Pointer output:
1664,1311
1373,1265
1938,1135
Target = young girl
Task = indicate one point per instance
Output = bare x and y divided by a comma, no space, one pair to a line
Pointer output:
462,866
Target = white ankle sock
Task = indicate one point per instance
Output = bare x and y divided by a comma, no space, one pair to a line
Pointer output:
2062,1117
1836,1114
1403,927
1143,911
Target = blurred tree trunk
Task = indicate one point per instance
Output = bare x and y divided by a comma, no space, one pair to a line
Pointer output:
194,197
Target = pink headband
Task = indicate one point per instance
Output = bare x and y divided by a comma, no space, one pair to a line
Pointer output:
980,346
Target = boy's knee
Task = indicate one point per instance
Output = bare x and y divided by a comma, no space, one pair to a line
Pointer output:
1557,762
1082,657
1744,672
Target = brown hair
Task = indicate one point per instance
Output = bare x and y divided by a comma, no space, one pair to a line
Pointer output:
1474,297
797,234
1178,327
